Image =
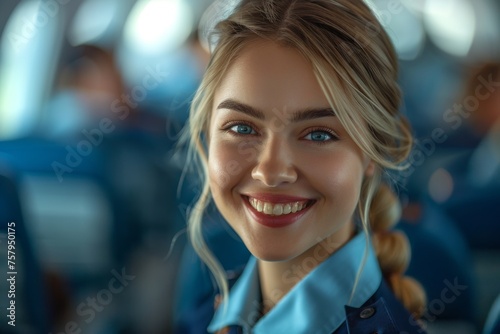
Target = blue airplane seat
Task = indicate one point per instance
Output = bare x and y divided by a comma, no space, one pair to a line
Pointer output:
473,205
80,195
40,155
441,262
32,307
476,212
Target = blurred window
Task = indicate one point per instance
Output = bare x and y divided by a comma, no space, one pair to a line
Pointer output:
31,38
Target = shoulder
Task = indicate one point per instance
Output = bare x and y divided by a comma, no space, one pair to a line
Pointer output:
381,313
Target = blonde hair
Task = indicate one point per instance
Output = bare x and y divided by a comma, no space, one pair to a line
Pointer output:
350,53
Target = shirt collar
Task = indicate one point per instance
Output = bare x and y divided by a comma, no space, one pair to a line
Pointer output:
314,305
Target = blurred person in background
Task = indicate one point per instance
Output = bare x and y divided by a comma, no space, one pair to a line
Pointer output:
484,85
91,88
486,116
88,83
476,111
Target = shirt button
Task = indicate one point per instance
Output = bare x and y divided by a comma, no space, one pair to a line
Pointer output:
367,313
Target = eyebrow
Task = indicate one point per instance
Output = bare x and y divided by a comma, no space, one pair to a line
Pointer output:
241,107
297,116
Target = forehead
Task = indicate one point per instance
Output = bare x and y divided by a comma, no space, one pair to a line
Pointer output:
267,75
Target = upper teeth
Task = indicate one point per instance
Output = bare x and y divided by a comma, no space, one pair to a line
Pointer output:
276,209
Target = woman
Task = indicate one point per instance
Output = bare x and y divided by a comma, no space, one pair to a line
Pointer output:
294,124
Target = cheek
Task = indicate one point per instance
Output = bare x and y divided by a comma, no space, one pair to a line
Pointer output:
339,176
225,166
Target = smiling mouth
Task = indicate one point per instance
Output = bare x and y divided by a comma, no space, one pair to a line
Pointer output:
278,209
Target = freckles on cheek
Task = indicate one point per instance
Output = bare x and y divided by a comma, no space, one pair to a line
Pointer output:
223,169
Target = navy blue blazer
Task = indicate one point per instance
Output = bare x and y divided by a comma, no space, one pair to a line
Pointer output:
382,313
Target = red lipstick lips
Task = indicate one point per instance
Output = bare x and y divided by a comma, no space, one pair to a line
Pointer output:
284,217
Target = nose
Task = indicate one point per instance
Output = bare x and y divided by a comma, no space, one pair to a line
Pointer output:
275,164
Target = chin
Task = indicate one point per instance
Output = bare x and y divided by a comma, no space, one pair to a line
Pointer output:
272,255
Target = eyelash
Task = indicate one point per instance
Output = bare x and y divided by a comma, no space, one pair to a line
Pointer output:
334,137
228,126
332,134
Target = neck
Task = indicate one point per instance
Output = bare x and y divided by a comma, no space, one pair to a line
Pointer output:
278,278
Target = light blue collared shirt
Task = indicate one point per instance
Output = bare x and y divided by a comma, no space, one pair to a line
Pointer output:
313,305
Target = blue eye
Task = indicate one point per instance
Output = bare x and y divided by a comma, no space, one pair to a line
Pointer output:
243,129
319,136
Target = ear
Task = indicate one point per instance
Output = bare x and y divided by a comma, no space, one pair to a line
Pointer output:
370,168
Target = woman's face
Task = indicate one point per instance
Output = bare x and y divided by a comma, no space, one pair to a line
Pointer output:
282,169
